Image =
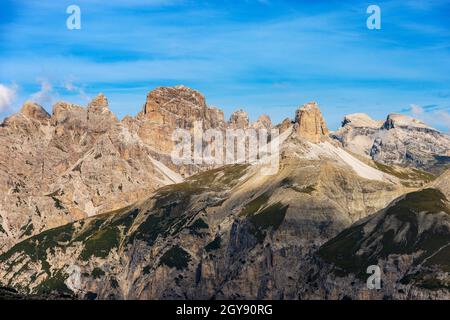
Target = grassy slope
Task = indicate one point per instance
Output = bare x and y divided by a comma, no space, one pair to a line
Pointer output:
344,251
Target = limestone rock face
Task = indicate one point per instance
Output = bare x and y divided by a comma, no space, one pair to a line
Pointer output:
309,123
170,108
359,120
63,110
285,125
80,161
239,120
34,111
399,140
172,99
357,133
30,116
402,121
76,163
263,122
99,118
99,104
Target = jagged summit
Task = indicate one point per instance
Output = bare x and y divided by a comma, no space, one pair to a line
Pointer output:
67,117
395,120
99,104
170,108
399,140
239,119
34,111
309,123
263,122
284,125
360,120
312,105
172,98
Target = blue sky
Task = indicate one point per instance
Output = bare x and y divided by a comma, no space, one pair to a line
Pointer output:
265,56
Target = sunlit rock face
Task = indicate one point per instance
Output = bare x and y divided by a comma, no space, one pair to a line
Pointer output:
78,162
169,108
263,122
309,123
239,120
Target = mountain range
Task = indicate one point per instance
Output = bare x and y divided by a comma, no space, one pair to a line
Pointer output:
95,208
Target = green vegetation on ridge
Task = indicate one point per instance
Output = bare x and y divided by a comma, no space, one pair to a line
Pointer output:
353,250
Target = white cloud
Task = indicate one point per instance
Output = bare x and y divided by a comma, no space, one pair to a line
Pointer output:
444,117
416,110
435,118
69,85
44,95
7,96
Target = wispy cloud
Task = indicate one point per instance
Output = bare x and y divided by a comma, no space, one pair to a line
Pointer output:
416,110
44,96
7,96
434,117
70,86
444,117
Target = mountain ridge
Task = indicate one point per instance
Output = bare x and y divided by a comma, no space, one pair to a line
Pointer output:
399,140
100,210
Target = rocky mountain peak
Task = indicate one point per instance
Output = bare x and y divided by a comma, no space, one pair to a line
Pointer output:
62,106
263,122
360,120
395,120
99,104
172,99
34,111
239,119
312,105
63,111
309,123
169,108
284,125
400,140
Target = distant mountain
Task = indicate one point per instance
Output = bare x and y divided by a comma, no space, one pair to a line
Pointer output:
400,140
